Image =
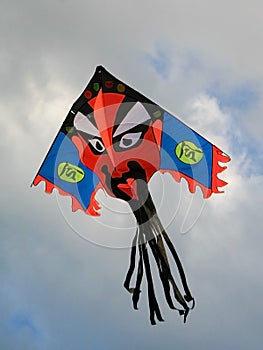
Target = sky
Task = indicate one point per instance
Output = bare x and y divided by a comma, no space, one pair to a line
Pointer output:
61,273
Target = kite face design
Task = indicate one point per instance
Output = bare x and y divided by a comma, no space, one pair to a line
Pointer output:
117,144
115,138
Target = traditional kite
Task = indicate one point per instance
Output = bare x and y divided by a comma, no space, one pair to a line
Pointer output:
115,138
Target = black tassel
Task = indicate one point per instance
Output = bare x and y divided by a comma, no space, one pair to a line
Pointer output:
132,264
137,290
151,232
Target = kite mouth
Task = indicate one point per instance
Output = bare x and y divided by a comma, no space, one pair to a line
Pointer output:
127,185
130,188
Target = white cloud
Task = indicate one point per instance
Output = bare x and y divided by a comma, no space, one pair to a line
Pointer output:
206,117
72,290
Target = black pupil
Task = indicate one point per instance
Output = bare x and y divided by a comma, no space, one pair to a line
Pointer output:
127,142
98,145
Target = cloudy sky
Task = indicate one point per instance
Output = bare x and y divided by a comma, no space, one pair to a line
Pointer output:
61,274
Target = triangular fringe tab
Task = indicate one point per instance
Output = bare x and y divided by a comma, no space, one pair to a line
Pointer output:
93,208
218,157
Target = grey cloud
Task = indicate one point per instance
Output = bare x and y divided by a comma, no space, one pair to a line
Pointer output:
72,289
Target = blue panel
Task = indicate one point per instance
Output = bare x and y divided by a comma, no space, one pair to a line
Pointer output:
64,151
176,132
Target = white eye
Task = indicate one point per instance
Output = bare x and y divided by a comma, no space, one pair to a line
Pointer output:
97,144
129,140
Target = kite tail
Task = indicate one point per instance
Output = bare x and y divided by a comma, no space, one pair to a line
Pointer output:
151,236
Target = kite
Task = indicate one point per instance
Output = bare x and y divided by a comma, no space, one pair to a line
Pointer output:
115,139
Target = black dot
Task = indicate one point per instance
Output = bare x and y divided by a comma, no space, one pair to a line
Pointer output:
127,142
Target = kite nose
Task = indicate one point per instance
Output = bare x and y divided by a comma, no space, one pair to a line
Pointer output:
106,137
116,172
112,157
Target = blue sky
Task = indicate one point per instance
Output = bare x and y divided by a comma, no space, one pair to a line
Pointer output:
196,59
242,98
160,62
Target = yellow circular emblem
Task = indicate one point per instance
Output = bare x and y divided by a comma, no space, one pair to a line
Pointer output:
188,152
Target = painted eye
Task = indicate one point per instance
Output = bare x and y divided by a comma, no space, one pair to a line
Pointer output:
129,140
97,145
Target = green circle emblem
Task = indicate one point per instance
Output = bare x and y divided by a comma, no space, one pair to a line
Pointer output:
188,152
70,173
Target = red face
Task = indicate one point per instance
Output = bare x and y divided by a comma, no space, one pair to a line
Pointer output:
117,143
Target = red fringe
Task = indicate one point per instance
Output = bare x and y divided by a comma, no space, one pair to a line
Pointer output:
218,156
75,205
